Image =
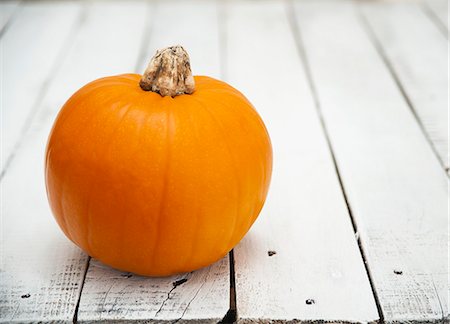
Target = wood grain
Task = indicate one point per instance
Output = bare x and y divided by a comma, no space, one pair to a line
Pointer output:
395,186
42,271
202,296
199,38
300,261
205,296
417,54
7,10
38,279
439,9
101,47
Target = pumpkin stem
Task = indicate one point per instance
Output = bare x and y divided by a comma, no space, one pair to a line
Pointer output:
169,73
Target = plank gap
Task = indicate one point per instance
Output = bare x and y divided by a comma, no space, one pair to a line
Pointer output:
10,19
222,10
146,36
231,315
75,315
44,88
389,66
425,6
363,123
295,28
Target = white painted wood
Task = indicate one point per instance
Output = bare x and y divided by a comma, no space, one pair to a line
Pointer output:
110,295
396,187
202,295
305,219
107,43
30,48
41,270
440,9
7,9
418,53
200,38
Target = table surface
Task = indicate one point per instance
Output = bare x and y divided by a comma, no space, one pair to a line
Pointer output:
355,98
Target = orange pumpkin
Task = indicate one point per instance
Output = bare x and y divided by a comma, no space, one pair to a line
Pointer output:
157,182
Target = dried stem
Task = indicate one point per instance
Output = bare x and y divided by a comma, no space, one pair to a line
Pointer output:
169,73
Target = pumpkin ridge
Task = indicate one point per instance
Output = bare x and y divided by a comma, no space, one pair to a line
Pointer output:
165,179
226,89
264,178
148,120
250,112
61,219
232,157
63,212
63,180
192,249
105,148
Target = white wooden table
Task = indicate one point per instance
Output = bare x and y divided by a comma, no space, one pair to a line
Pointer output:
355,98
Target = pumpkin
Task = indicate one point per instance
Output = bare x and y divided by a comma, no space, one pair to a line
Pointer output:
157,174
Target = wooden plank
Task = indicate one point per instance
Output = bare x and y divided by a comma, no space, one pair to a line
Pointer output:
417,54
317,273
108,295
395,185
32,268
203,50
439,9
42,272
101,48
30,48
7,9
205,296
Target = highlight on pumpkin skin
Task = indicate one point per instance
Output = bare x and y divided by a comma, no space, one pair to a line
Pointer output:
169,73
154,185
